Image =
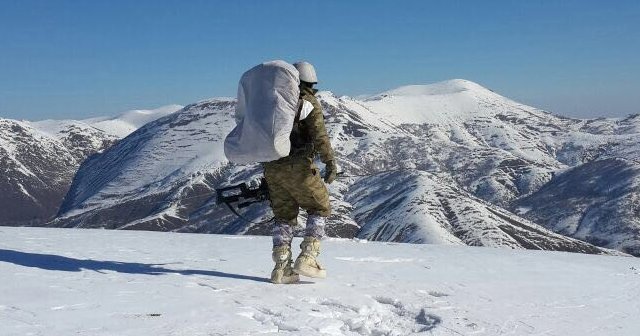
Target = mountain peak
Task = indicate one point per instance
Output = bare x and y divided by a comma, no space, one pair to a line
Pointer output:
127,122
440,103
447,87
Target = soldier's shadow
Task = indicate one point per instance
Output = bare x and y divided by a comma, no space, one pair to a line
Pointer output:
59,263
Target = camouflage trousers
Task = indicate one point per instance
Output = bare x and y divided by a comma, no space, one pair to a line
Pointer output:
294,185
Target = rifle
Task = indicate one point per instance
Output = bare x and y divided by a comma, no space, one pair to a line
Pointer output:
242,194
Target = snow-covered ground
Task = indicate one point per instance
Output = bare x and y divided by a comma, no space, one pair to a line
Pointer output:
96,282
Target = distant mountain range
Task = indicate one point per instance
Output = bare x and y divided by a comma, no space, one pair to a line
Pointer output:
446,163
40,159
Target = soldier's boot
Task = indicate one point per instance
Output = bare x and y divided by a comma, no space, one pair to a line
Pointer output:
306,264
283,272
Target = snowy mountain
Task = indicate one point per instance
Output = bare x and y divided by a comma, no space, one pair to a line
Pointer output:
40,159
597,202
127,122
461,155
138,183
97,282
419,207
38,167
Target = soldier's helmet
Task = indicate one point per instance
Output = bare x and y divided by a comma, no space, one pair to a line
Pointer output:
307,72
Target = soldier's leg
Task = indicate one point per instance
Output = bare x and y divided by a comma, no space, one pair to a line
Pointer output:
315,226
282,233
314,198
285,210
283,203
312,195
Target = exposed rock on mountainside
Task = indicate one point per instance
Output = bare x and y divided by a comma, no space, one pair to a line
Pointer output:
418,207
598,202
143,182
38,160
37,167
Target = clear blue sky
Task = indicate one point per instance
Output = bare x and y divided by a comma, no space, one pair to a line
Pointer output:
76,59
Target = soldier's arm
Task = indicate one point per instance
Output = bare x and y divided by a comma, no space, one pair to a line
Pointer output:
318,131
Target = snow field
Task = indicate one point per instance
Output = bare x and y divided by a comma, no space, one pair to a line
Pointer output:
95,282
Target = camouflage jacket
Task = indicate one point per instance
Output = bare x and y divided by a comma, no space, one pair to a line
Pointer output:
309,136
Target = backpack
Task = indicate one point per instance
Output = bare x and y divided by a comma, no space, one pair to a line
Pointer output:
268,101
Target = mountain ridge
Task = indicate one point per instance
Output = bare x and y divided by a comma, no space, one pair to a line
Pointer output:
482,153
488,146
39,160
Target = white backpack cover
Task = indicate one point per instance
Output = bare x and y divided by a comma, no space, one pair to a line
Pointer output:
268,97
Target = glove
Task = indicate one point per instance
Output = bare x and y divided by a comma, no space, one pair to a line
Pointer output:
330,171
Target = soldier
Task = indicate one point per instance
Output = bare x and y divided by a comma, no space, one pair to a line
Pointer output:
294,182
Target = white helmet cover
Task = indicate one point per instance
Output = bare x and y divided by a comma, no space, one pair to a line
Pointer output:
307,72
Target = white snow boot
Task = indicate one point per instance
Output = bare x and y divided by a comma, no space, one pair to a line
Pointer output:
283,273
306,263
